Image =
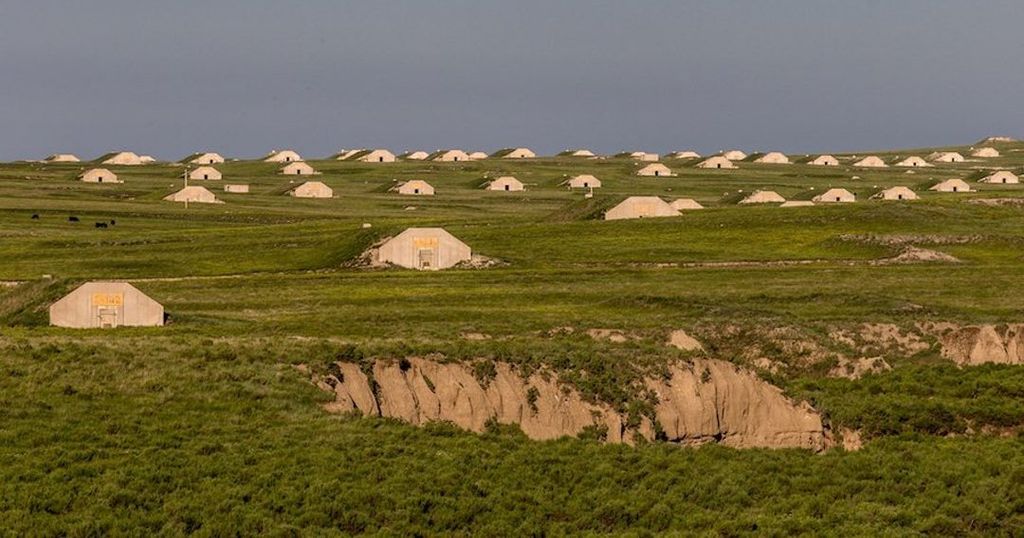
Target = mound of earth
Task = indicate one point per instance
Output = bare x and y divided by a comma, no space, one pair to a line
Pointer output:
708,401
681,340
479,261
368,259
872,339
912,254
910,239
858,368
611,335
972,345
995,139
998,202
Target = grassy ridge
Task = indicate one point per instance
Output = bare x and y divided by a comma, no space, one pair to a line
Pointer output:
206,426
100,439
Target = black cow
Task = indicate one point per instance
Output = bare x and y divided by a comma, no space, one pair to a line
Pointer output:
101,224
72,219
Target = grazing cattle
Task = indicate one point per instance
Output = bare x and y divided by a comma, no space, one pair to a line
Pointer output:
72,219
101,224
113,222
35,216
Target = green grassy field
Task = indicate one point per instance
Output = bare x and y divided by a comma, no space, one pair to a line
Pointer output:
205,425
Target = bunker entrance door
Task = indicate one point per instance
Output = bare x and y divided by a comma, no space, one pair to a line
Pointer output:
426,258
107,317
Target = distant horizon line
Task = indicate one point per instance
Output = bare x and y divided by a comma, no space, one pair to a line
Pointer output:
988,139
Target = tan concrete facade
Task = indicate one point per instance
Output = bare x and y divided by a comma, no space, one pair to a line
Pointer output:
62,158
449,156
99,175
106,305
835,196
193,194
346,154
377,156
415,187
685,204
654,170
578,153
504,183
734,155
477,156
641,207
298,169
516,153
1003,177
687,154
123,158
824,160
717,162
914,161
985,152
951,185
896,193
425,249
871,161
206,158
237,188
282,156
416,156
763,197
584,181
644,156
946,157
772,157
312,189
205,173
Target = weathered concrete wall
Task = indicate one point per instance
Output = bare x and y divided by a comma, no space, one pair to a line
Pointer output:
453,155
639,207
99,175
772,157
283,156
505,183
199,195
207,158
378,156
312,189
205,172
654,170
832,196
584,181
425,249
716,162
124,158
106,304
416,187
62,158
298,169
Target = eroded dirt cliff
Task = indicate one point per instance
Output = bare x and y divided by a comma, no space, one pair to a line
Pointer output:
701,402
980,344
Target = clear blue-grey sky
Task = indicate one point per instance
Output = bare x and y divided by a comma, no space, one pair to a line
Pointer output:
243,77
